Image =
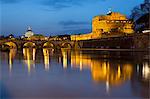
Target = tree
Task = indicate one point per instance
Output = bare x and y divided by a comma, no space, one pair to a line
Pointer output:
140,10
140,15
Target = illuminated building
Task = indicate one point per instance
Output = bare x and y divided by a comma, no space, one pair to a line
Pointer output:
32,36
111,25
29,33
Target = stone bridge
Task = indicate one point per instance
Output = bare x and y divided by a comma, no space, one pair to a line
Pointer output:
14,43
138,41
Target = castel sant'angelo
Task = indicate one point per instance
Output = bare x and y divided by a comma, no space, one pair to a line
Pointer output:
113,24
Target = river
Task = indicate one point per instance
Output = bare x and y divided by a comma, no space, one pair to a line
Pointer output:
47,73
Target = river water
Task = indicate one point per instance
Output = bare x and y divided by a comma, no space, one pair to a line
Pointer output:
47,73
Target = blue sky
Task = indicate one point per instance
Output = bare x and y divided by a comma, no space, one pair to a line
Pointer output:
56,17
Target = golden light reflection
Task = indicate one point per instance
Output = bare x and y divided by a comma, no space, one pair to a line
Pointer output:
146,71
102,70
115,76
65,59
12,54
46,54
34,51
129,70
81,61
78,60
29,56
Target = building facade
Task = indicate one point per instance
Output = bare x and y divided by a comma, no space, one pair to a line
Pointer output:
111,25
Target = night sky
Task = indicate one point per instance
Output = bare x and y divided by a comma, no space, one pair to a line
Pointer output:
56,17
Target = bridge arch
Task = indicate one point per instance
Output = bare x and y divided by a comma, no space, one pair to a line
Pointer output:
29,45
48,45
66,45
10,44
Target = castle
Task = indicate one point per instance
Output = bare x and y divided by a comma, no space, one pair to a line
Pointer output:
113,24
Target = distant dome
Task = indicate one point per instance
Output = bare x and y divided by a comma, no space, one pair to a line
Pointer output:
29,32
29,29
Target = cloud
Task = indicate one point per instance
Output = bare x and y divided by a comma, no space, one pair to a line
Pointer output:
10,1
73,23
75,27
60,4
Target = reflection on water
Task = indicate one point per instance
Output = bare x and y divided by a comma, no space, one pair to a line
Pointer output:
65,59
111,69
47,53
146,71
12,54
101,70
29,58
46,58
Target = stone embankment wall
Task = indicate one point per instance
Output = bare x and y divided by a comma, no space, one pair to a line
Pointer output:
136,41
142,40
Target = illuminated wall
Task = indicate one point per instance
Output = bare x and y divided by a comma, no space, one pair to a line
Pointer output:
112,24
